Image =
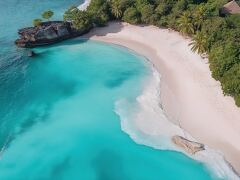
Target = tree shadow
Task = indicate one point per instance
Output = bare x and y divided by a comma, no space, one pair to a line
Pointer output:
116,26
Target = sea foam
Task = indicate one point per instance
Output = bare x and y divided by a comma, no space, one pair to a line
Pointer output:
84,5
146,123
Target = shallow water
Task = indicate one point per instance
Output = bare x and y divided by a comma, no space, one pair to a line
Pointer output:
57,114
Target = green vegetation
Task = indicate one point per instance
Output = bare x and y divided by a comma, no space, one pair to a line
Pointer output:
100,12
47,14
212,34
79,19
132,16
199,43
37,22
186,23
116,9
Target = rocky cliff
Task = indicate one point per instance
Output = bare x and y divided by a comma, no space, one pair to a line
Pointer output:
48,33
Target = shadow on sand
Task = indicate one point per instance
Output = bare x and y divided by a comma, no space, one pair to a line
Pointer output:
116,26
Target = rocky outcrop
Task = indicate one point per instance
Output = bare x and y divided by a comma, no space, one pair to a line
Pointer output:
31,53
190,147
48,33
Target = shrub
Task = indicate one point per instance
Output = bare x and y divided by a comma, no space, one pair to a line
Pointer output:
132,16
146,13
37,22
100,12
47,14
222,58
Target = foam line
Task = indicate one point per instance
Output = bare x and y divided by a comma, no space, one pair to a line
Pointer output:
146,123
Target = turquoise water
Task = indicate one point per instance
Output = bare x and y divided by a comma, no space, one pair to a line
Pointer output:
57,118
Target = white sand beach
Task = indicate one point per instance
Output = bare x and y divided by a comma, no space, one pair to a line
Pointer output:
188,92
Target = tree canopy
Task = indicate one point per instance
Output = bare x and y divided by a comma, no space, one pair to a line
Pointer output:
80,19
47,14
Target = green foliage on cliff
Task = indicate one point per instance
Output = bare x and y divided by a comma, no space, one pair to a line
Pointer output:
212,34
100,12
80,20
47,14
37,22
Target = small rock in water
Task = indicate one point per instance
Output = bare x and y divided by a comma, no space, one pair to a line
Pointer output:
31,53
189,146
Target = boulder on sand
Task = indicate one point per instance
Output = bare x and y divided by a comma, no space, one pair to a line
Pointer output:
190,147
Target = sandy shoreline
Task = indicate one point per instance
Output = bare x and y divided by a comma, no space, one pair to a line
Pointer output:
188,92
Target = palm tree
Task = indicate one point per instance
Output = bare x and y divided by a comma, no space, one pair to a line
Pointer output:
185,23
116,9
199,17
199,43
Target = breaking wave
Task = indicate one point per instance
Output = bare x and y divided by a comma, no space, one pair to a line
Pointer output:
146,123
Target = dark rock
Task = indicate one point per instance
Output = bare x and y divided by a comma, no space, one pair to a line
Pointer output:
62,31
38,35
48,33
31,53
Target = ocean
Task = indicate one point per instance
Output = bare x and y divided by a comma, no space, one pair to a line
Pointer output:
60,116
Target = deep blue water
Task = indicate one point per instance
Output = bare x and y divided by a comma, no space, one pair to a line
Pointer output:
57,118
